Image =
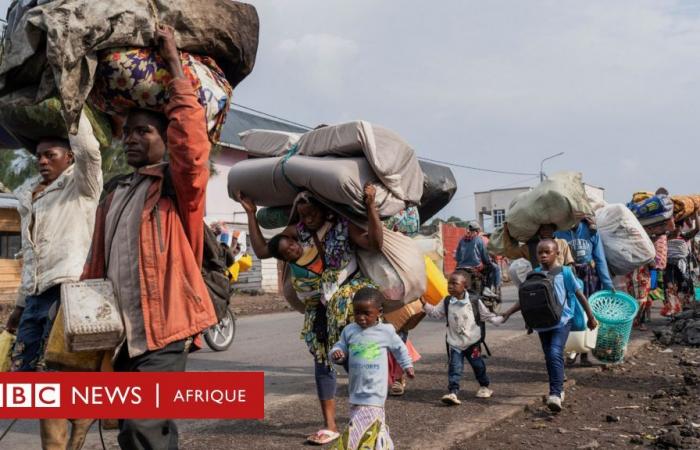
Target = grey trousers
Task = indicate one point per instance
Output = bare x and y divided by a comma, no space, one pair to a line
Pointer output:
151,434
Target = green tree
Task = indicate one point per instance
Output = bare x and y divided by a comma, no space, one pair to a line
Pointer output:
436,221
16,166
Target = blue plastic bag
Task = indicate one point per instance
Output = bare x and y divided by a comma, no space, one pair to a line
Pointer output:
654,283
578,322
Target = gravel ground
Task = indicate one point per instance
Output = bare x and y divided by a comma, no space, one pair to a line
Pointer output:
417,420
650,401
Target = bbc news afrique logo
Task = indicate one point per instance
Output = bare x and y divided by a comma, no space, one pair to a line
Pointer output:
198,395
30,395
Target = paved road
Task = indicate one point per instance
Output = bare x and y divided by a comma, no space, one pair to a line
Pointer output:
269,343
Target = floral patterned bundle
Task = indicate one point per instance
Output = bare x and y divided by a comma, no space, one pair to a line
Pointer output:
136,78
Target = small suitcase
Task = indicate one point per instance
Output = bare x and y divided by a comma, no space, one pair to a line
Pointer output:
91,314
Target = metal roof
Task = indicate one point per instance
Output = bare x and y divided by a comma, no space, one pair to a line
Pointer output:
238,121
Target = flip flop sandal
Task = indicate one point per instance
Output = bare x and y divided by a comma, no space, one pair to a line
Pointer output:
397,389
323,437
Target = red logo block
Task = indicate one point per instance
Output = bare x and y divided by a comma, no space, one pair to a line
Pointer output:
127,395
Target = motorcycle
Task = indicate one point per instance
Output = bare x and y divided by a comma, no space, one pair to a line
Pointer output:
481,284
219,337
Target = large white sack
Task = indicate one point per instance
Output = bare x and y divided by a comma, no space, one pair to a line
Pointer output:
627,246
398,271
557,200
518,271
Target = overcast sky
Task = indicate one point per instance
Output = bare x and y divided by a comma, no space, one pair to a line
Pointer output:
497,84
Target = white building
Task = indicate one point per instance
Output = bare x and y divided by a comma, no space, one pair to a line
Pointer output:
495,204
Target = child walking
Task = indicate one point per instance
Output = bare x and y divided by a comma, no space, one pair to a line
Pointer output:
364,344
567,291
465,316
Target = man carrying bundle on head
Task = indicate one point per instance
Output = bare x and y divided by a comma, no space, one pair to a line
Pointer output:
57,210
149,241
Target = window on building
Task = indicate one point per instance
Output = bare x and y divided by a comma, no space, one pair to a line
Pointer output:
499,217
10,244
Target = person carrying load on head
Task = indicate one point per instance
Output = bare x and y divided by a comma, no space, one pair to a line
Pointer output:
321,251
152,218
677,277
590,264
528,250
57,211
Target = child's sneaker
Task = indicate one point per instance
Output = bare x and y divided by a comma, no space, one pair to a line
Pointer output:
484,392
554,403
451,399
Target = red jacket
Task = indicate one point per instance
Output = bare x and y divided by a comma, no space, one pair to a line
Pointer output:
174,299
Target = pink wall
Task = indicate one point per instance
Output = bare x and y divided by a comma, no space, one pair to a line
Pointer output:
219,205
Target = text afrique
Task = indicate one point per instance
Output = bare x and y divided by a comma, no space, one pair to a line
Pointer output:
218,396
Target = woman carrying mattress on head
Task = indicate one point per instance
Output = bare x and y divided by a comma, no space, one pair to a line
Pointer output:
320,249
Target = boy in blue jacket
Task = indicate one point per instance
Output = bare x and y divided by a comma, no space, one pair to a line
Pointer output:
589,262
553,339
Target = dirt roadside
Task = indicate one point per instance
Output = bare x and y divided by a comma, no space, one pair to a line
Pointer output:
418,419
248,305
650,401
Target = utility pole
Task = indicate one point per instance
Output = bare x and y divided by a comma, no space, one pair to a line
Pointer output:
542,175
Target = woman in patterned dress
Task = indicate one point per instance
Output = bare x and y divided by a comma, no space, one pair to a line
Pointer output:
320,248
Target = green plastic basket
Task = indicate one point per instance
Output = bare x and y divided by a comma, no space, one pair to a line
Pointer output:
615,313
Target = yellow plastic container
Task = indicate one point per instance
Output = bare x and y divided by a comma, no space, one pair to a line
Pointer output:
246,262
233,271
7,339
58,357
436,287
